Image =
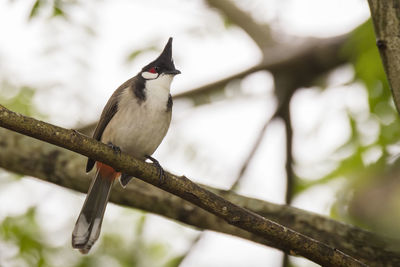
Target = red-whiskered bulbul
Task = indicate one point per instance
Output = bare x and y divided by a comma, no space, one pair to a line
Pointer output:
135,120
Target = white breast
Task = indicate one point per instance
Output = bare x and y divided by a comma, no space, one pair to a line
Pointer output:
157,91
139,127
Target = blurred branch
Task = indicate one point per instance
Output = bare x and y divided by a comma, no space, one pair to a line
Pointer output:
27,156
208,88
254,148
285,86
260,33
282,111
386,18
281,236
303,61
251,154
289,157
192,246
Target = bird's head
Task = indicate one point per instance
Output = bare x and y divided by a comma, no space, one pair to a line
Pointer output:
161,66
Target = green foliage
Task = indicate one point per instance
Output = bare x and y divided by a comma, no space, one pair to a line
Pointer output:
362,53
58,9
35,8
18,99
25,234
175,262
227,22
51,9
127,252
134,54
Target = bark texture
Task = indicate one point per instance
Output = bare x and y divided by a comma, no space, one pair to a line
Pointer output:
386,19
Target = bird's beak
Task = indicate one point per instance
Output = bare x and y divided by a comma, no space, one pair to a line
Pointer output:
173,72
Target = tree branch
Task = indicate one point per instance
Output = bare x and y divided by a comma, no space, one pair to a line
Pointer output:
181,186
24,155
386,18
259,33
311,58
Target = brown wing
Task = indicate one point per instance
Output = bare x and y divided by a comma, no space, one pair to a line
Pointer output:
108,113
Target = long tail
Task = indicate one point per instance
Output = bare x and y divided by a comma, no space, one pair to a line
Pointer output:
88,225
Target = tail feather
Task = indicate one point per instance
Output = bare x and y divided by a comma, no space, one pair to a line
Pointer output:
88,226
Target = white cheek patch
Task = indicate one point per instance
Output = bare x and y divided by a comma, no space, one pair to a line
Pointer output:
149,76
163,81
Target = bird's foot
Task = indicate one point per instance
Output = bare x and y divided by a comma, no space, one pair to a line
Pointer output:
116,149
158,166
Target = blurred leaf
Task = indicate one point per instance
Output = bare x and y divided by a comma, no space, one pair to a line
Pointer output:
227,22
52,9
25,233
21,102
140,225
134,54
363,53
58,12
175,262
35,9
157,250
364,56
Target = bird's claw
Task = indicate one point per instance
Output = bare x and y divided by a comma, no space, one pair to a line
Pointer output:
116,149
158,166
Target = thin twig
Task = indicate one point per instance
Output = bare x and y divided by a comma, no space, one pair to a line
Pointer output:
288,167
251,154
285,86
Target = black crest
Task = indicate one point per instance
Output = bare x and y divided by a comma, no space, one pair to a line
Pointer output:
164,63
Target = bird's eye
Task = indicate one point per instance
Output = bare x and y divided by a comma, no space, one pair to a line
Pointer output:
153,70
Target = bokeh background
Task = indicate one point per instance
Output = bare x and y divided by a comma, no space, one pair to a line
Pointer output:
321,138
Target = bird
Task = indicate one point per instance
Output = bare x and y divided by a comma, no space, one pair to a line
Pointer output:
135,120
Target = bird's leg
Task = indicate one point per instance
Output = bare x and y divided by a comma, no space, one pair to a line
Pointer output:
158,166
116,149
